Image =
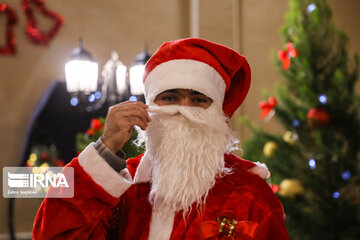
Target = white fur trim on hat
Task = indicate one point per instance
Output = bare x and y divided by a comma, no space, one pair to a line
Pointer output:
187,74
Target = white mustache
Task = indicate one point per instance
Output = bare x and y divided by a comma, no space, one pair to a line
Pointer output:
194,114
170,109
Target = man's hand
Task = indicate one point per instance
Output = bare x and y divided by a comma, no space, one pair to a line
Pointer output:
120,121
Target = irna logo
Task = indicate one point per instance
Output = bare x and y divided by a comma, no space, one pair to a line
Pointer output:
21,180
38,182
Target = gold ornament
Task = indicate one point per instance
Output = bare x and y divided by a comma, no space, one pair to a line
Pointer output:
43,168
32,159
290,188
270,149
290,137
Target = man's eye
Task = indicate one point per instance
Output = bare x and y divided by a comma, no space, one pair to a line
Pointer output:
168,98
200,100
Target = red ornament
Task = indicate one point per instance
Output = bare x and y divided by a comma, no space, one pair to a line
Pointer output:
44,156
286,55
267,107
275,188
11,20
59,162
318,116
90,132
95,124
35,35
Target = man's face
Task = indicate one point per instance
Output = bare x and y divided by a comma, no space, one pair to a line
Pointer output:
185,145
183,97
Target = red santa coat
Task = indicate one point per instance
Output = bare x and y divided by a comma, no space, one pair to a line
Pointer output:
93,213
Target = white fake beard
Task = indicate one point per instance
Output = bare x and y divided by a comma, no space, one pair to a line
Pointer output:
186,147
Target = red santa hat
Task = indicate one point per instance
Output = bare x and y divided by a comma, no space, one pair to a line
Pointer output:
215,70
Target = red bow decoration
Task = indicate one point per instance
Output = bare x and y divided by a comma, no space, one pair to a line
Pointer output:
267,107
227,228
11,20
32,30
286,55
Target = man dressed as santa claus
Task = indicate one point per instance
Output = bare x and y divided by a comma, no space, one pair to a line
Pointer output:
188,184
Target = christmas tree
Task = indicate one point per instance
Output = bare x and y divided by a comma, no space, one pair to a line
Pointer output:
315,164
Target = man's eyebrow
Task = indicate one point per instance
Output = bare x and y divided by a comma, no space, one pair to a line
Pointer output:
196,93
171,91
193,92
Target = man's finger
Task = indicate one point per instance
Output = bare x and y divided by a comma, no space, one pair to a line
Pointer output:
132,121
132,112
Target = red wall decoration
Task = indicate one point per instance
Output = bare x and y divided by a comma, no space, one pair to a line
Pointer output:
11,20
37,36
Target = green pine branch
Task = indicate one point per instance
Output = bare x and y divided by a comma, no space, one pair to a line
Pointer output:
325,157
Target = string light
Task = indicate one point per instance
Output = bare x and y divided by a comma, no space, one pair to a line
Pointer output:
98,94
311,8
346,175
74,101
336,195
296,123
92,98
323,99
133,98
312,163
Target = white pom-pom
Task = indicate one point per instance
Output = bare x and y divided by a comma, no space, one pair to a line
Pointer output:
261,170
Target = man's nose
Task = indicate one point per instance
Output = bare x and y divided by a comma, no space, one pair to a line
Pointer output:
185,101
